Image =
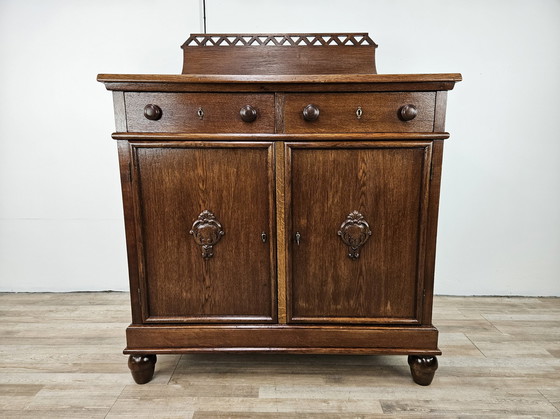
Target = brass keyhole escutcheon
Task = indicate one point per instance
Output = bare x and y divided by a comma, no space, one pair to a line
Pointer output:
359,112
200,113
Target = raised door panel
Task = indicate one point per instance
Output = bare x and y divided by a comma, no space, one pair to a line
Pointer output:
206,231
357,216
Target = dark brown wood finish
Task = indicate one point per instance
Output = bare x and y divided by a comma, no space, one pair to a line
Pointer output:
379,112
253,226
441,105
446,81
374,136
266,338
431,229
119,111
279,83
422,368
142,367
277,60
196,112
279,54
133,242
176,182
387,184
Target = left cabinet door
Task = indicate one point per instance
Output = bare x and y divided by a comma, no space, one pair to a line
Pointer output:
204,227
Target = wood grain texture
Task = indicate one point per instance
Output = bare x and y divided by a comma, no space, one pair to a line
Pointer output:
175,183
320,79
180,112
281,239
304,181
373,136
260,54
431,230
379,112
131,223
280,87
441,105
119,109
57,363
279,60
279,103
294,339
279,83
387,183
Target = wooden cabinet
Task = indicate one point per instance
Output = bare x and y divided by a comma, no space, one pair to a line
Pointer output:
273,212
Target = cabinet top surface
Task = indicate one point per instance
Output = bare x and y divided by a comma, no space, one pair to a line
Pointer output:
282,79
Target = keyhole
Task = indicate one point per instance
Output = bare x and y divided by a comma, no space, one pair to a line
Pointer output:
359,112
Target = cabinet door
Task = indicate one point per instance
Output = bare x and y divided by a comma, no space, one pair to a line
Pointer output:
205,220
356,229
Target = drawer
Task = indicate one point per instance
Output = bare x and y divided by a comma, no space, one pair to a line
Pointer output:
199,112
360,112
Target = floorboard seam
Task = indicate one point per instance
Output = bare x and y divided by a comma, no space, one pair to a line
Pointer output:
115,402
174,369
475,345
492,324
548,400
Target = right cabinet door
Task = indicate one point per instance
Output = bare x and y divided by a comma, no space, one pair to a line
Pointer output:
356,229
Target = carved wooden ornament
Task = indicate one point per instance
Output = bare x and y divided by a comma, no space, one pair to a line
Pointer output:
294,39
354,232
206,231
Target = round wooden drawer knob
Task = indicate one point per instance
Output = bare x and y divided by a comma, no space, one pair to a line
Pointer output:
311,112
152,112
408,112
248,113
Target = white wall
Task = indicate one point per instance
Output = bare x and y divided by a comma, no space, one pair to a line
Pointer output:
60,207
61,222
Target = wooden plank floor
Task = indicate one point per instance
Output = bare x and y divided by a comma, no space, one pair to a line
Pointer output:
60,356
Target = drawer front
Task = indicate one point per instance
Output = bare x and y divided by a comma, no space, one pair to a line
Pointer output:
360,112
199,112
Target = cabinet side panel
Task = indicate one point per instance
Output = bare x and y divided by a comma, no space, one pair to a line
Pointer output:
431,233
233,280
120,111
439,117
130,228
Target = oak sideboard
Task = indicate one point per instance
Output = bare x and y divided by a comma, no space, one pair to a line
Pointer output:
281,196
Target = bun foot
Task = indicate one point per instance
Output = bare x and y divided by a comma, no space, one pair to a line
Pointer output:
142,367
422,368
